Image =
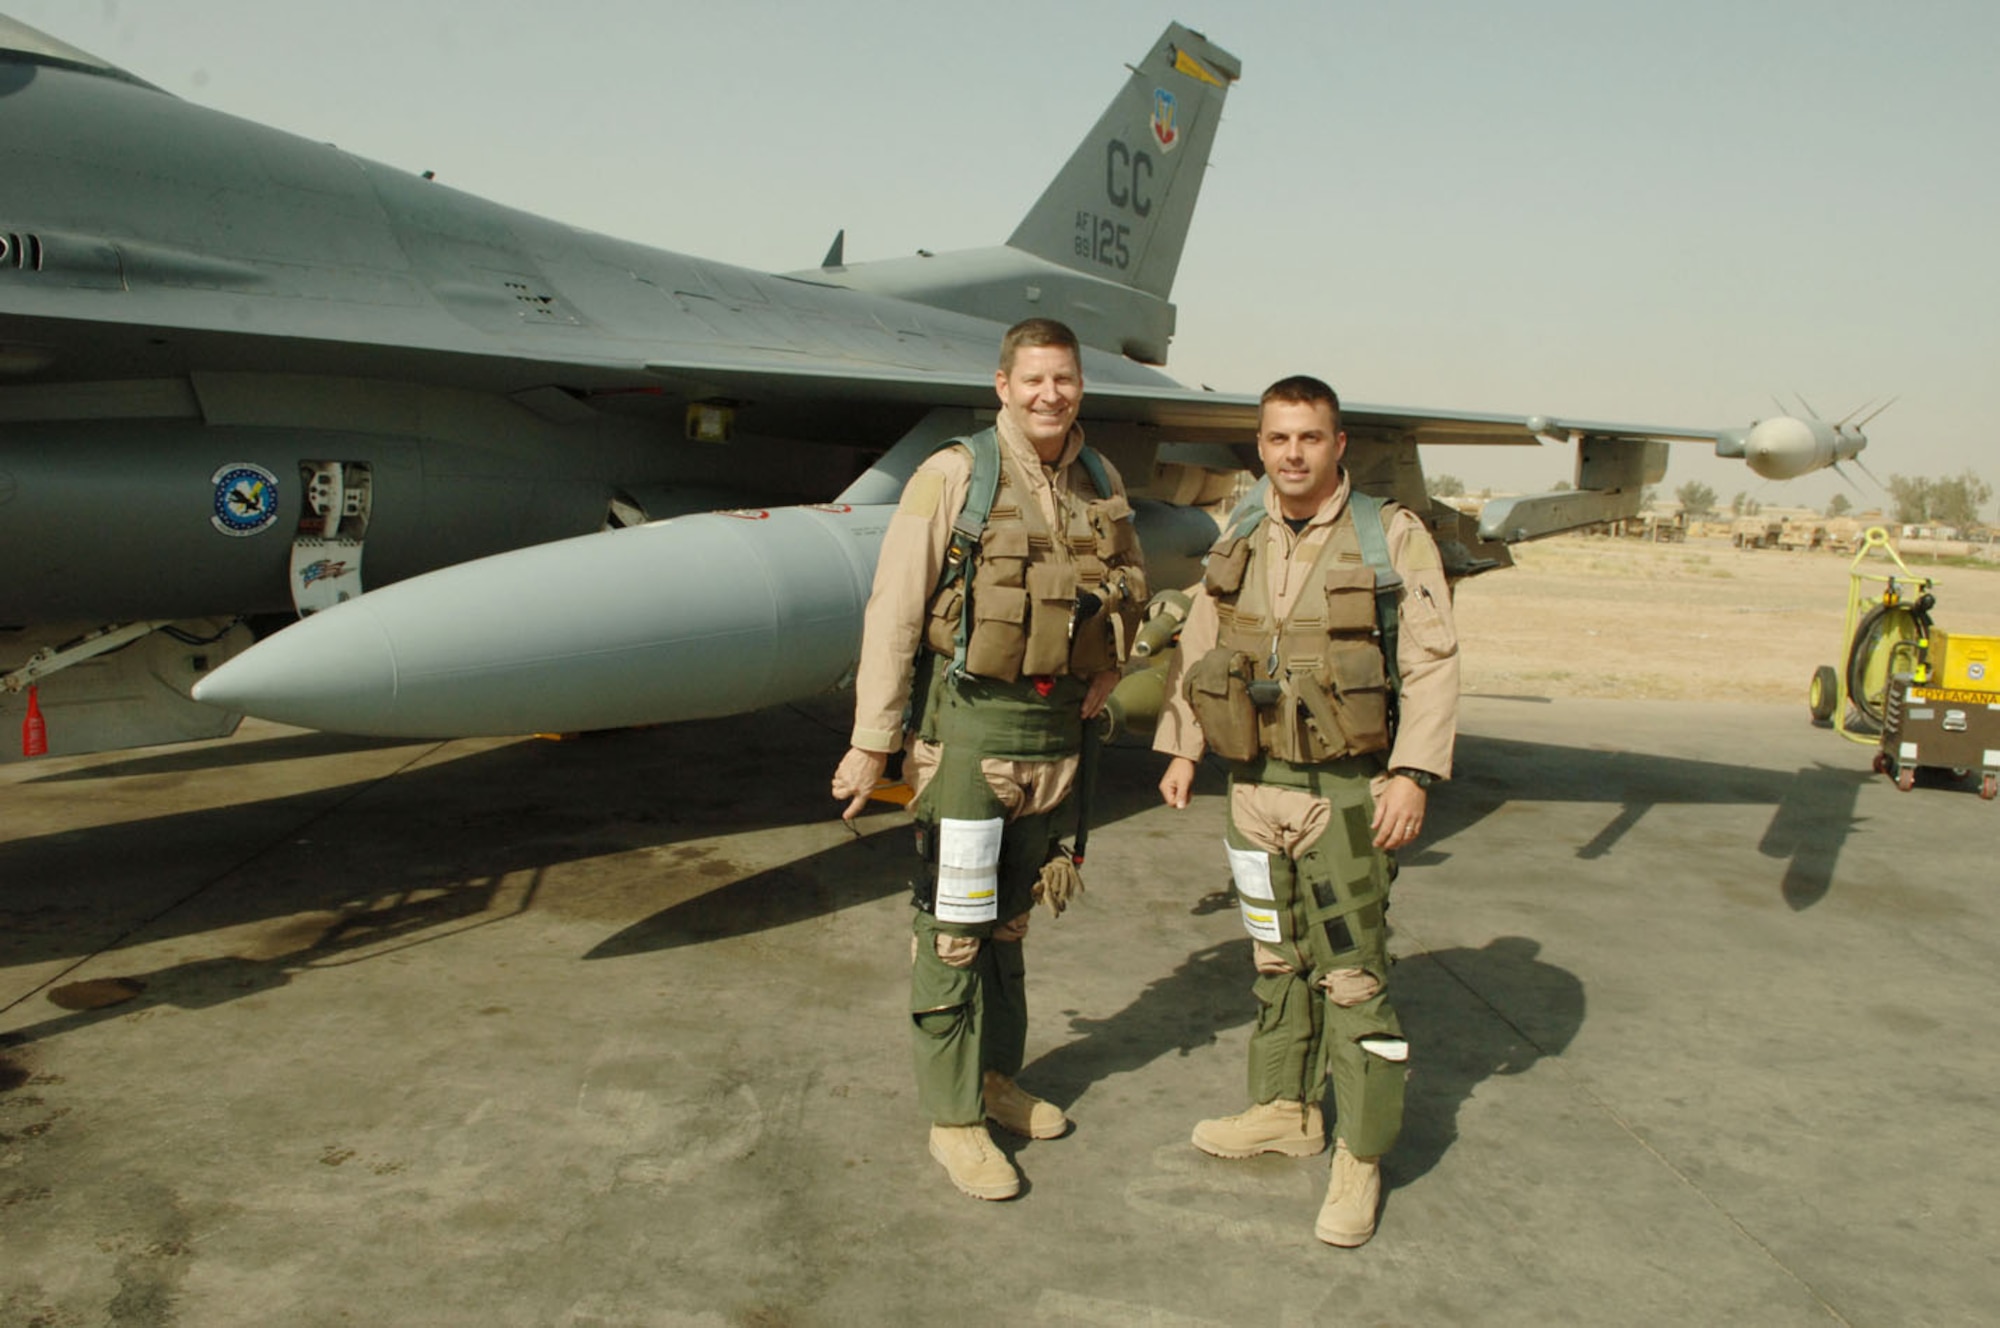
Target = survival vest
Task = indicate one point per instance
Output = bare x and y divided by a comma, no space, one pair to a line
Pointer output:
1017,599
1321,684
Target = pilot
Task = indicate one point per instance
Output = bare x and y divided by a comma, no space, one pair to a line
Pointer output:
1319,661
990,637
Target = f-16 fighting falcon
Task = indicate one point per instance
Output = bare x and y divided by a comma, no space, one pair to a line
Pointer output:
500,475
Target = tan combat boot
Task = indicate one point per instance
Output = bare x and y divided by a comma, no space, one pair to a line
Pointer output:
1353,1194
1017,1111
1280,1126
973,1163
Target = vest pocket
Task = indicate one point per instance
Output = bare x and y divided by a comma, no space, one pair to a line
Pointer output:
1111,521
1052,604
993,649
1350,599
1218,688
1360,697
1224,572
941,626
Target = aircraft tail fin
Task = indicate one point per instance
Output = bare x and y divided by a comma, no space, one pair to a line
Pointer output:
1120,208
1100,248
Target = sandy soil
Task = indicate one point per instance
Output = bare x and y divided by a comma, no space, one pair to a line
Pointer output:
1584,616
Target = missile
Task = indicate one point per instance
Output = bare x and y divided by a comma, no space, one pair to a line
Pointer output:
690,618
1133,708
1165,613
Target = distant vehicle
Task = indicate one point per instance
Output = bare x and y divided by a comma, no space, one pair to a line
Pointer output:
1845,533
1653,528
1802,533
1755,532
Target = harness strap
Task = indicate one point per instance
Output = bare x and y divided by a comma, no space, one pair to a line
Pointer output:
1366,512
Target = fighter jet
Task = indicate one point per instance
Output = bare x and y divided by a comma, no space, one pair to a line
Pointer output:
502,475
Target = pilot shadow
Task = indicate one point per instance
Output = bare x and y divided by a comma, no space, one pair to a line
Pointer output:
1205,995
1473,1014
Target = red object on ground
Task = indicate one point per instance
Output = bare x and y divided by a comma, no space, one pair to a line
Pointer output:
34,731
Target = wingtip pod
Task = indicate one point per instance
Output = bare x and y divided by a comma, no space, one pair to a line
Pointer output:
1787,446
691,618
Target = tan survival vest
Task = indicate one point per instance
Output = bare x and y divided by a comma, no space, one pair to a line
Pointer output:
1043,603
1306,690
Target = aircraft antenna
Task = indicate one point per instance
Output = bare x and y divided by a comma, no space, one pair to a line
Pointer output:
1810,412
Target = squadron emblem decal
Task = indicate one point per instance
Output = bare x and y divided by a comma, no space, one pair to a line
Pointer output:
246,498
1166,129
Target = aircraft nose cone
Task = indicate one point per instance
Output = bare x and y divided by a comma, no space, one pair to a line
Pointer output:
334,670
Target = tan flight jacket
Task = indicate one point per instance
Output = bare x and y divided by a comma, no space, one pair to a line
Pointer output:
1427,642
912,557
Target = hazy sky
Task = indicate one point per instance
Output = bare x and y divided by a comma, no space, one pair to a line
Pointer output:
1659,213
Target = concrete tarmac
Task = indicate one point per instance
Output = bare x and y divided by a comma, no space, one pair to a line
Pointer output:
297,1029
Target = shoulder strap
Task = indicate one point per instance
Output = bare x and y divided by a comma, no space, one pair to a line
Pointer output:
1249,513
968,529
1093,465
1367,512
971,523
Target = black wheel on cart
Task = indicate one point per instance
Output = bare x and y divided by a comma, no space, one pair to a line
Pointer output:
1883,765
1823,694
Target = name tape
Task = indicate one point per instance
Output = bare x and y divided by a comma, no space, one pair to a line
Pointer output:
1958,698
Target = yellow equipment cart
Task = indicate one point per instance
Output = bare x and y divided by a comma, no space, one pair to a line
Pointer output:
1921,696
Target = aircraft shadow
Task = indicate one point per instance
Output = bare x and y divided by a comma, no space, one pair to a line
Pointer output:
866,869
298,746
458,824
1813,808
448,827
326,940
857,872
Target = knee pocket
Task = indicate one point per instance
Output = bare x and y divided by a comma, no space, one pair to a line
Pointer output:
1282,997
1348,987
956,951
936,985
939,1024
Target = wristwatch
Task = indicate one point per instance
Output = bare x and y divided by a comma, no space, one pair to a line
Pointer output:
1423,779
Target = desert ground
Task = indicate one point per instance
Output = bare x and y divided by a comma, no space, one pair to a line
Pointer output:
1590,616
